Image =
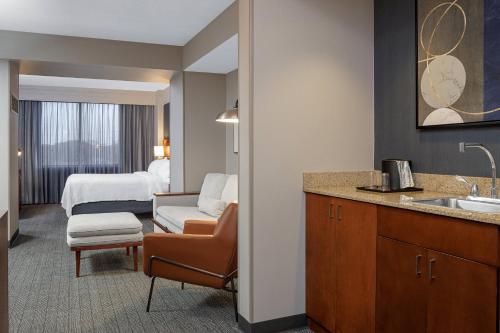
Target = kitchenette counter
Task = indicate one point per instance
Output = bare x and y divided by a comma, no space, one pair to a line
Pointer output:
367,253
343,185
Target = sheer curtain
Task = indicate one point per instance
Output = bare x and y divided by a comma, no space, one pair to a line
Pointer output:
59,139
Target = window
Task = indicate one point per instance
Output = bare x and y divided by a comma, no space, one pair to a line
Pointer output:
80,134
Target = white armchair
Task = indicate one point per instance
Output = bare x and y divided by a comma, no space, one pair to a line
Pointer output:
172,210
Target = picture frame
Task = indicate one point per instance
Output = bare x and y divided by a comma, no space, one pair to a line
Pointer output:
457,63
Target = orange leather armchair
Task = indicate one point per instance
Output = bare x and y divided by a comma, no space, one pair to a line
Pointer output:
205,254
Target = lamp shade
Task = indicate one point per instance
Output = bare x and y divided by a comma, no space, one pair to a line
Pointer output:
229,116
159,152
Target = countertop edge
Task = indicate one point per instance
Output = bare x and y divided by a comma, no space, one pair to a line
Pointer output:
488,218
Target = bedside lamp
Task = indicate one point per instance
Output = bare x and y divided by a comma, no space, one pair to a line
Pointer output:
159,152
166,147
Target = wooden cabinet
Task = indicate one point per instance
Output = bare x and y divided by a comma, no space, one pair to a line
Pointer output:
320,261
421,289
378,269
355,255
4,299
462,295
340,264
401,287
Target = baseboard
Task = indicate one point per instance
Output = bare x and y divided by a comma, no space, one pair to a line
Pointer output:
273,325
13,238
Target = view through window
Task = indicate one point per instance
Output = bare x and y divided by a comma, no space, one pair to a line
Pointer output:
80,134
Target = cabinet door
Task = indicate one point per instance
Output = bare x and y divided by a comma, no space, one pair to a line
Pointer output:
401,287
320,260
462,295
356,260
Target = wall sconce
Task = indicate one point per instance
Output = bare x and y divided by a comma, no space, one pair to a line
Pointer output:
229,116
19,152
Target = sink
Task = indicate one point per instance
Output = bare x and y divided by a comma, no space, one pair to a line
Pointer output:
471,204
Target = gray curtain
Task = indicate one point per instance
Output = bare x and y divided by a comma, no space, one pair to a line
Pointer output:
32,176
136,136
59,139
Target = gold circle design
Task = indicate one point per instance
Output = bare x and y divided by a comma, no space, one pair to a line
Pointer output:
430,56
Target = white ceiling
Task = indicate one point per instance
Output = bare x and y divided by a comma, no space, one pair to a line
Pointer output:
223,59
55,81
172,22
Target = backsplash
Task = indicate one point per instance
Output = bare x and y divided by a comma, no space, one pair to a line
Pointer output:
340,178
429,182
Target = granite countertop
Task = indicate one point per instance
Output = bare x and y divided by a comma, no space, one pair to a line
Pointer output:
405,200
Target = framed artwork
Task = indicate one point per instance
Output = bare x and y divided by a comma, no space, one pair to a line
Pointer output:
458,62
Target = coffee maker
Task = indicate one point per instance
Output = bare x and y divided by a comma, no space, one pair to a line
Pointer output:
399,171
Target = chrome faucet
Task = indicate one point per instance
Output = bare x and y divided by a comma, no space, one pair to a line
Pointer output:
474,189
463,146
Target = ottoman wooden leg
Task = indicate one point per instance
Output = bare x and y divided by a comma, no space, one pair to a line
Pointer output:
135,258
128,251
77,257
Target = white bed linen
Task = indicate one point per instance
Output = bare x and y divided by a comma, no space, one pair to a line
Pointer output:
84,188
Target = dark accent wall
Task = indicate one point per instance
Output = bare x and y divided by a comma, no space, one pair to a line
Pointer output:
396,136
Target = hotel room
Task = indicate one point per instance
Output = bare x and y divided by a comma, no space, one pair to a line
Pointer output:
249,166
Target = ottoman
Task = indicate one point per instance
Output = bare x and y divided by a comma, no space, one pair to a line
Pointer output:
103,231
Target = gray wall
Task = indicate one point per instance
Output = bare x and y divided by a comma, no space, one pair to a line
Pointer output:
90,51
306,103
177,133
8,144
13,158
396,136
215,33
91,95
204,138
231,97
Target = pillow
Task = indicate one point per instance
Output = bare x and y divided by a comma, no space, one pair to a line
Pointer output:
230,192
212,207
212,186
161,168
153,166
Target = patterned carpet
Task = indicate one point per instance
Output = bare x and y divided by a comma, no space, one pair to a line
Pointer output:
109,296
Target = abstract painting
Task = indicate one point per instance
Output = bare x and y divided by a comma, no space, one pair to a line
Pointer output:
458,62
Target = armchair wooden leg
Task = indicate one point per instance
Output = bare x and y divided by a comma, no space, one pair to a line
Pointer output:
182,285
78,258
235,301
128,251
150,293
134,249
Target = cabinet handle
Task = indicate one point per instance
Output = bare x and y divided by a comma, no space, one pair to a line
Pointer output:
339,213
418,272
330,211
431,265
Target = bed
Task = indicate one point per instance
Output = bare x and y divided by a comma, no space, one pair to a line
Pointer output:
104,193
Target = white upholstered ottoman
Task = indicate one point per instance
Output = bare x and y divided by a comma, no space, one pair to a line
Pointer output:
104,231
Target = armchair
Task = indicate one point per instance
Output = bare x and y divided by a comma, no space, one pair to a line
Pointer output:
205,254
